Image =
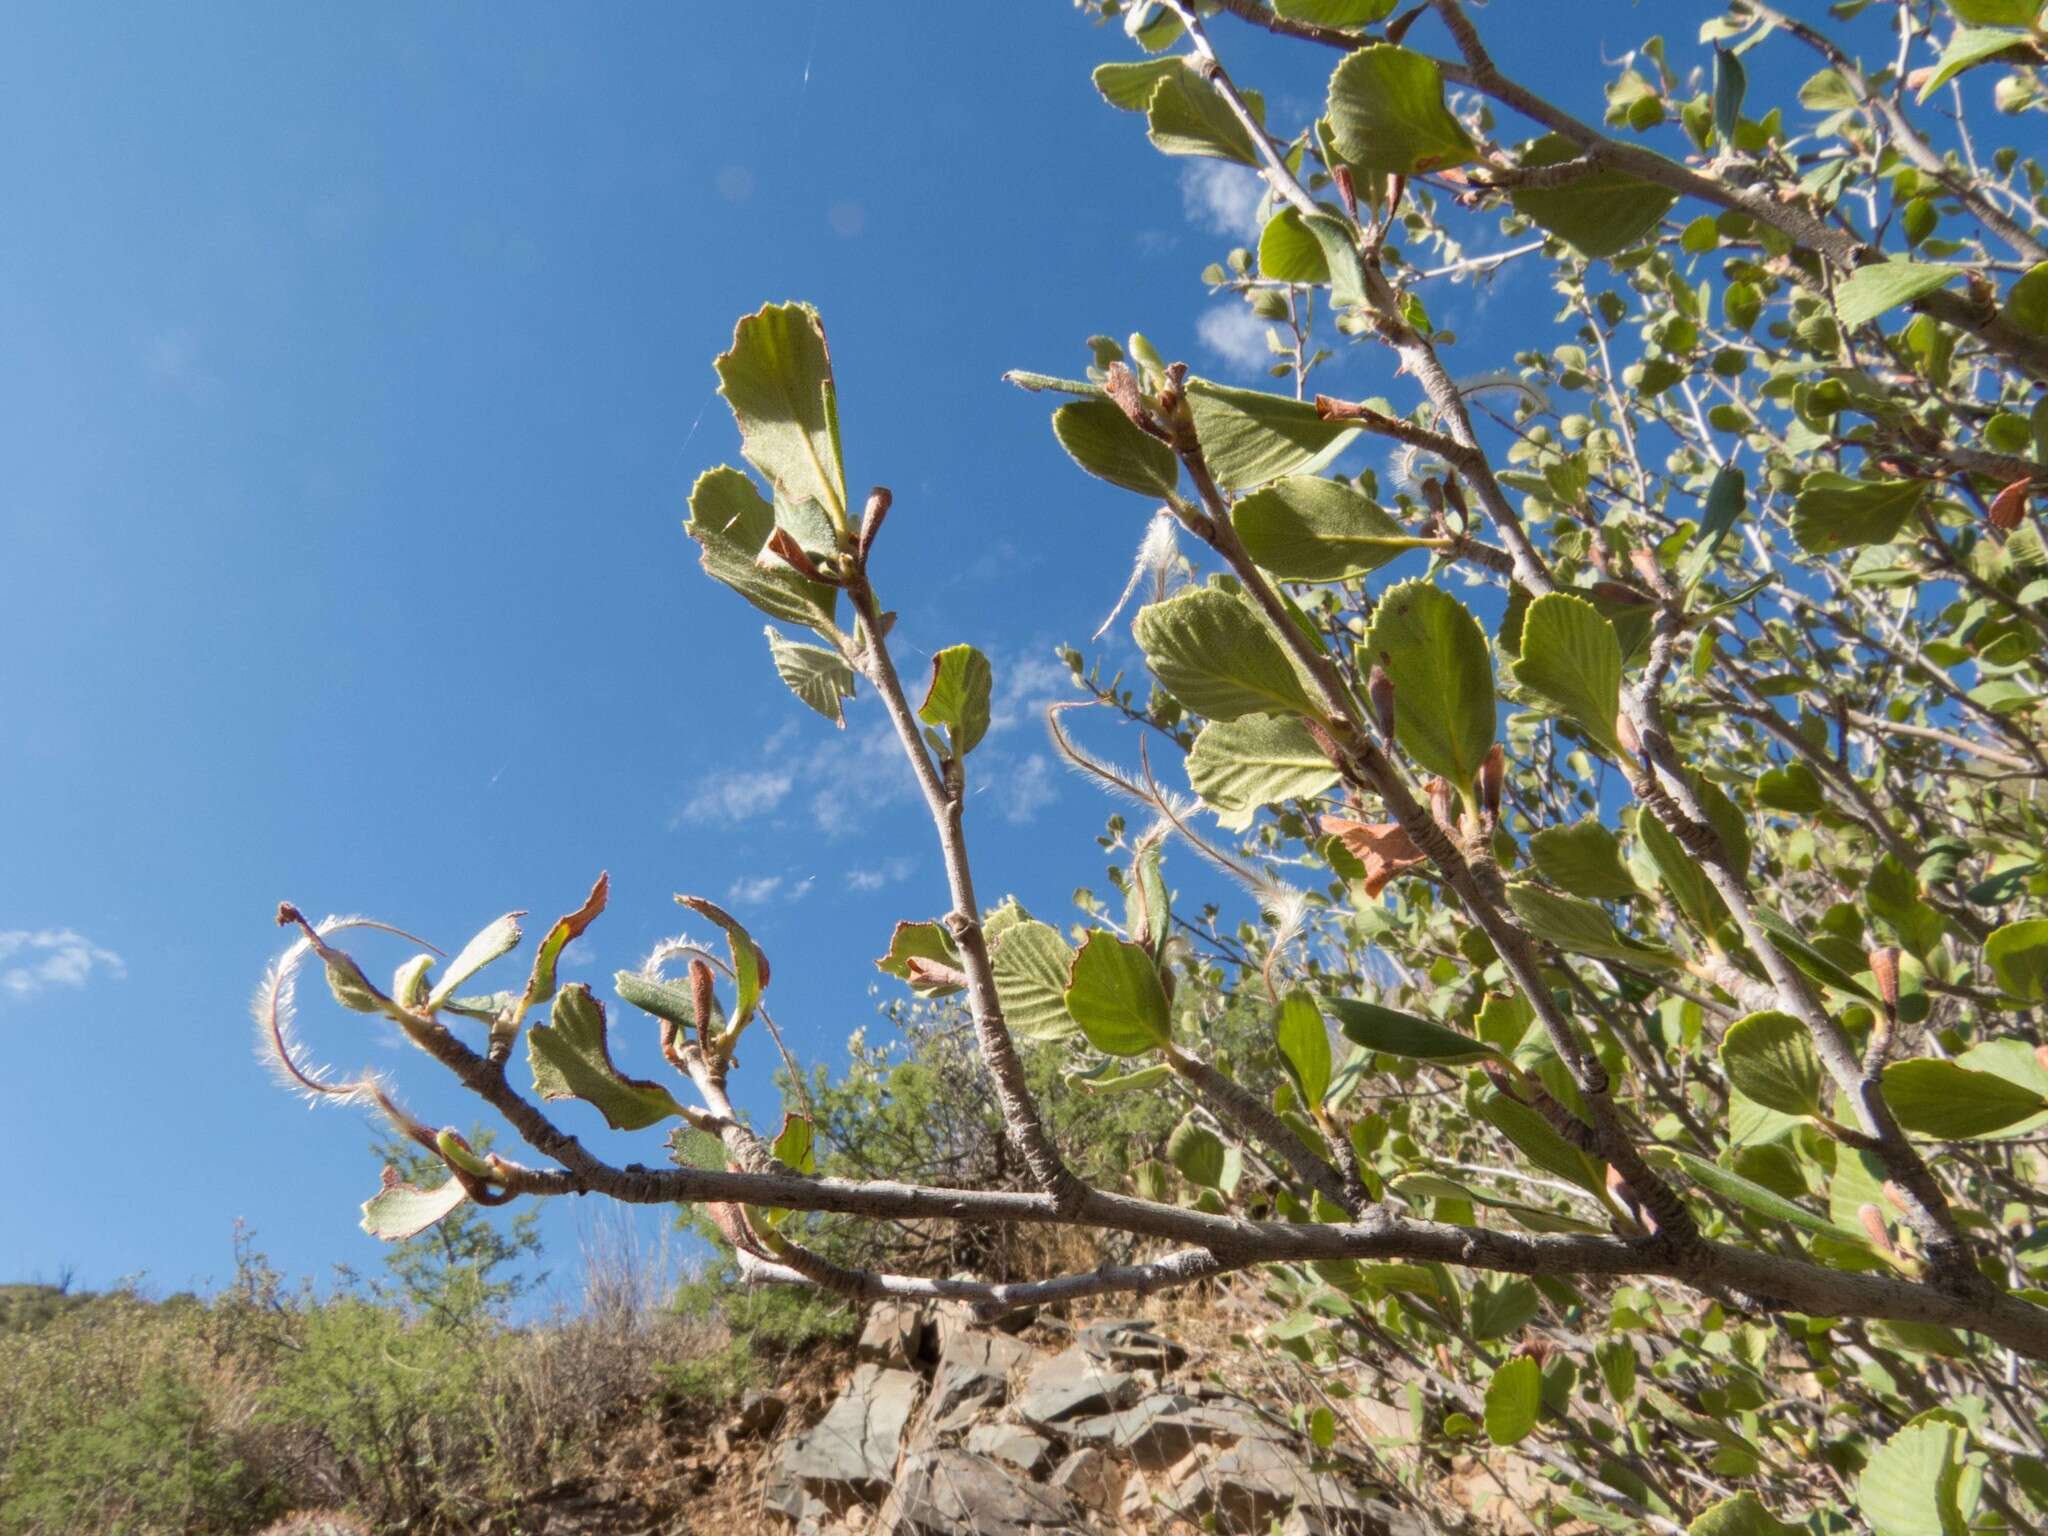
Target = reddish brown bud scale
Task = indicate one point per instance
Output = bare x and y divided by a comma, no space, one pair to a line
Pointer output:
1442,800
1872,1221
1625,732
1347,190
701,982
1492,775
1884,969
1380,689
2009,506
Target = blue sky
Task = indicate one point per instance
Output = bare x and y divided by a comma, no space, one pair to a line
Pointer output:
357,368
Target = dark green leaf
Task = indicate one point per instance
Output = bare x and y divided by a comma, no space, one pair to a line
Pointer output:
572,1059
1599,213
1102,440
1387,113
1114,994
1213,653
1436,655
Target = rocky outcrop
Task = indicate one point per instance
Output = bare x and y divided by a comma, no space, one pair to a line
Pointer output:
1018,1438
848,1458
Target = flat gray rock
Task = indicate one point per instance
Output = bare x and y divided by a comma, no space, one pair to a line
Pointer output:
1131,1344
1157,1431
895,1335
1071,1385
849,1456
947,1492
1016,1444
1258,1481
973,1376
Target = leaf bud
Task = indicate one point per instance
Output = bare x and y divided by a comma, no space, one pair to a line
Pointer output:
879,500
1884,968
1380,689
1625,732
1347,190
701,1002
1492,773
1442,799
2009,506
1872,1221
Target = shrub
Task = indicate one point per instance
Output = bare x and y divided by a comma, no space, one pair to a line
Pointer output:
1643,893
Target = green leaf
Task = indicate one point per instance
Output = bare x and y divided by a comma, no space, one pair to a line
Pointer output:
1809,959
1130,86
1104,1077
571,1059
1793,788
1953,1103
1834,512
495,940
1741,1515
1758,1198
1212,652
920,941
1394,1033
1334,13
1731,81
1683,876
796,1145
663,999
1583,859
1345,268
749,964
1570,656
1880,286
1536,1139
1289,252
1969,47
1305,528
1501,1307
1387,113
1304,1042
819,677
399,1210
1599,213
777,378
2026,305
1031,964
1727,496
1580,927
958,696
1197,1152
1911,1484
1239,765
540,982
1514,1398
1185,116
1114,994
1100,438
731,523
1436,655
2018,957
1249,437
1770,1057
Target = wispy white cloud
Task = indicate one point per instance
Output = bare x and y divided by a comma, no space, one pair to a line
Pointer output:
34,959
1027,789
755,890
736,795
874,877
1222,197
1236,335
1025,684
